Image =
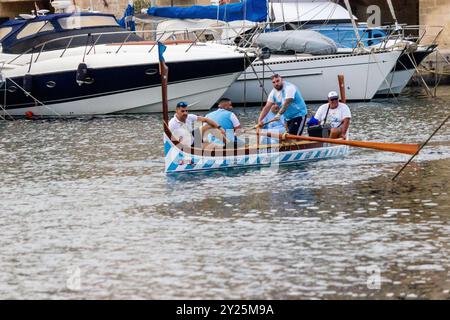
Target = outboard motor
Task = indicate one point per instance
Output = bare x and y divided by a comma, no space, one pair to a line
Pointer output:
28,83
83,75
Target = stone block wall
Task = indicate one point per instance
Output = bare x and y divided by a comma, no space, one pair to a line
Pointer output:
11,9
406,11
115,7
437,13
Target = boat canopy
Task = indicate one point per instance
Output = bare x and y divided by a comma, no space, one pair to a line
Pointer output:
252,10
203,29
300,41
344,34
308,11
19,35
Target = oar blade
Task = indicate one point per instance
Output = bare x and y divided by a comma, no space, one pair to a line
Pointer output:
389,147
382,146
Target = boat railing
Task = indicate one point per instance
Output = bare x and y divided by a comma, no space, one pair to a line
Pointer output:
92,40
418,34
394,34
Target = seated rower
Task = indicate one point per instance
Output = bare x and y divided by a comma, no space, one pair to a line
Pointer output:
278,126
182,124
336,114
227,120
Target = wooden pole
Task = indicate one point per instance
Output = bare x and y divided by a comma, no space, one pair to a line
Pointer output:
342,88
165,104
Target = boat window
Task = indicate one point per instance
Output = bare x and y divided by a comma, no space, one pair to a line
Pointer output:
4,32
35,27
77,22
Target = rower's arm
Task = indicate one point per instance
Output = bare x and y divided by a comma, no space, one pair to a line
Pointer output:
265,111
212,123
285,105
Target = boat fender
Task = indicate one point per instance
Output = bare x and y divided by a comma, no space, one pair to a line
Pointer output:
29,114
82,74
27,83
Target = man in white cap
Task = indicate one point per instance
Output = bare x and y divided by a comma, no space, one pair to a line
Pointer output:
336,114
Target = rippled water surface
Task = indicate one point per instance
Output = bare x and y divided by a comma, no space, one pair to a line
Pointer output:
87,212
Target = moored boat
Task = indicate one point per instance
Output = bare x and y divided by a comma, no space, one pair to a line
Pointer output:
85,64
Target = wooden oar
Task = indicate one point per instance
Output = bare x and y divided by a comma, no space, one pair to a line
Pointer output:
390,147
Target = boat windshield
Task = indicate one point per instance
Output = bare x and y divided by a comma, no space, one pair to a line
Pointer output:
34,28
78,22
4,32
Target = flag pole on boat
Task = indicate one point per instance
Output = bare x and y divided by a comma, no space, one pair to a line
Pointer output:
163,71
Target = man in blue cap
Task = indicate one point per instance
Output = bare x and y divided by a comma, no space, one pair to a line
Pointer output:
182,124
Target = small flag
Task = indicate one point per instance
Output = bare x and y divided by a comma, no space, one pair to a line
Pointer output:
161,49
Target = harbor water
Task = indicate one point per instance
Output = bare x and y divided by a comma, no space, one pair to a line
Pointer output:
86,212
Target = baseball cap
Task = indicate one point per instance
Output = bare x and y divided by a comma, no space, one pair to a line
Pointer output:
333,95
182,104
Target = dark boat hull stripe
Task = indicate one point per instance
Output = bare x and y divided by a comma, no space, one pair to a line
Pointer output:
113,80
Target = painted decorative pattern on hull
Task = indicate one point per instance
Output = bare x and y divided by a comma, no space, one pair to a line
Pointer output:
177,161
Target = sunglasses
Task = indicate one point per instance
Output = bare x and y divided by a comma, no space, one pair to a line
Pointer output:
334,99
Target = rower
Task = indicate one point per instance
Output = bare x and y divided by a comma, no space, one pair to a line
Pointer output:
182,124
336,114
273,126
291,103
225,117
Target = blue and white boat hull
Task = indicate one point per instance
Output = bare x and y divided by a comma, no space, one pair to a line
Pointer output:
178,160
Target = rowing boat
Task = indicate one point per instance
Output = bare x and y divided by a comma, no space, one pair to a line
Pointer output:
291,149
179,159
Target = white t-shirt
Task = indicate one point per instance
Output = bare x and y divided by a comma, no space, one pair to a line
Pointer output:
183,130
335,116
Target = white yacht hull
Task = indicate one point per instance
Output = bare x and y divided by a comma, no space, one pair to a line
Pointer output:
316,76
137,102
121,83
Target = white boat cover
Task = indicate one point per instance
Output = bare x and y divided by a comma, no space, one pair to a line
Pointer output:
300,41
286,11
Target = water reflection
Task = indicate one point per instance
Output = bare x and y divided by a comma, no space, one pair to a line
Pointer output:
91,194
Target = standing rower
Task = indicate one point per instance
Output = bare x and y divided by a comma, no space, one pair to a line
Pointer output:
291,103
